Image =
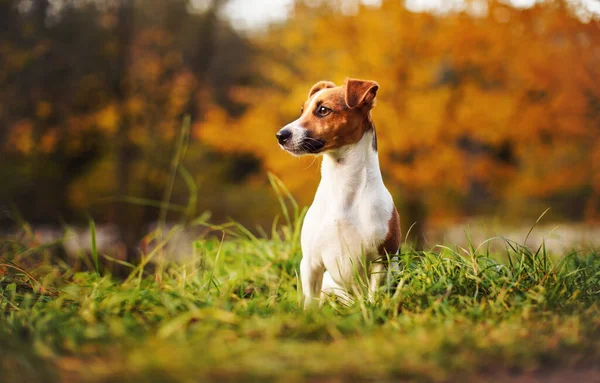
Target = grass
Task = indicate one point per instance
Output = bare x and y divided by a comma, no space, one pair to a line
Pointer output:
232,312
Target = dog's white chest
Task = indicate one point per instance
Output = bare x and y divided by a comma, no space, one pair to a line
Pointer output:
347,221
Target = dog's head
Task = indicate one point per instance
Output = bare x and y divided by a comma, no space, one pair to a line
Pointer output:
332,117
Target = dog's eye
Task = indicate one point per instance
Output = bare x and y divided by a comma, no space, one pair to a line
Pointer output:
323,111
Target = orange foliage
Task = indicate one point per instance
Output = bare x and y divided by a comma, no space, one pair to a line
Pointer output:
20,139
491,102
503,99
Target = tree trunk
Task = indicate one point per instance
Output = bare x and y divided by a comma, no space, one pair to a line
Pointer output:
124,149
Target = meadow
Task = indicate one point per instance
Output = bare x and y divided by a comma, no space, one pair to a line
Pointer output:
146,114
231,312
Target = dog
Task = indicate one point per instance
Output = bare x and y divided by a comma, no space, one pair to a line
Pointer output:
352,223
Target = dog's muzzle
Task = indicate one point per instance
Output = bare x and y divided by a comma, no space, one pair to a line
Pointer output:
298,141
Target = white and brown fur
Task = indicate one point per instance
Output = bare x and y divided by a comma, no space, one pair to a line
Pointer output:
352,218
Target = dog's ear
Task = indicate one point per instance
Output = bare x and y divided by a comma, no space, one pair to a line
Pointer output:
320,85
360,92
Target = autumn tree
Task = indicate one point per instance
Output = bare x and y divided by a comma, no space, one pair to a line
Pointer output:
92,98
483,108
478,106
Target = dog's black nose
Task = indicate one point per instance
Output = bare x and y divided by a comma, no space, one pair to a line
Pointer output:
283,135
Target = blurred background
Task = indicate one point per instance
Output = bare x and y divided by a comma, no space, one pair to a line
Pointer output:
488,111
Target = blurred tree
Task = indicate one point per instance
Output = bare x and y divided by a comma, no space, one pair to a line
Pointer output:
483,109
479,105
44,145
92,95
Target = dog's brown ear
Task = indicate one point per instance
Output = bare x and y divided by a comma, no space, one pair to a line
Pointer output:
320,85
360,92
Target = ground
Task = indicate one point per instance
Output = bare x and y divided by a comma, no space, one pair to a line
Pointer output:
232,312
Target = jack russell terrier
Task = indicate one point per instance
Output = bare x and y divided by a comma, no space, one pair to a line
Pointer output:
352,222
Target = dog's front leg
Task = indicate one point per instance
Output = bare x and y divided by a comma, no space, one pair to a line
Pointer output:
311,273
377,273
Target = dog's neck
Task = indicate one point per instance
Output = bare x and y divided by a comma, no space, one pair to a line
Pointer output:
347,171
